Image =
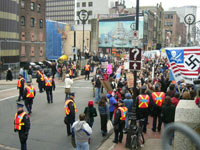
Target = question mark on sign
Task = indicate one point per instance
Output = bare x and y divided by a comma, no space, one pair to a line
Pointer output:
136,54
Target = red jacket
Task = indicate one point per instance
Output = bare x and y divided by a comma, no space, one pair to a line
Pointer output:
175,101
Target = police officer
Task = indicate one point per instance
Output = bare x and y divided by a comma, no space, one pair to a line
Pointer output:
49,86
22,125
40,80
119,121
158,98
142,108
87,71
20,86
70,110
29,95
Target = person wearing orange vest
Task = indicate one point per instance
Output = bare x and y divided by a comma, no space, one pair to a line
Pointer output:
142,108
87,71
119,121
20,86
29,95
40,80
70,111
70,73
22,125
158,99
49,86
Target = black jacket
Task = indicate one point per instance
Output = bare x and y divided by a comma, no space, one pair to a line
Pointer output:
168,113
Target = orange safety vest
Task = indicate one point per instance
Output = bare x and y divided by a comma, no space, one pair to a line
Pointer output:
73,67
143,101
70,72
158,98
30,92
18,121
87,67
48,81
67,110
19,84
123,110
42,76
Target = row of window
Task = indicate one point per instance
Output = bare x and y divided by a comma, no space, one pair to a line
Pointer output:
168,16
59,13
32,6
84,4
169,24
32,23
58,3
67,7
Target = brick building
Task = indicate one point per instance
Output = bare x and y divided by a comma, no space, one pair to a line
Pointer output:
32,30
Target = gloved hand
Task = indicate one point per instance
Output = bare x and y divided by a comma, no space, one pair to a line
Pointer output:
15,130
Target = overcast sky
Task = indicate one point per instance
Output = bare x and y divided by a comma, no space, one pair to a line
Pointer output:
166,4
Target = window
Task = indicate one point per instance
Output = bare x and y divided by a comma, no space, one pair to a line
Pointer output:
84,4
22,4
41,23
90,4
77,13
32,6
32,22
38,8
22,21
90,13
78,22
89,21
78,4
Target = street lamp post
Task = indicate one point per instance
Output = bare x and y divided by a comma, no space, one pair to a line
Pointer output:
189,19
83,16
133,125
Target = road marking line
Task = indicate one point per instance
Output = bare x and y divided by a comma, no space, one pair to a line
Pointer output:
77,87
7,89
7,147
3,99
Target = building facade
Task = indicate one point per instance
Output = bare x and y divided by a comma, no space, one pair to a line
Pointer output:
9,33
94,8
61,10
174,30
32,31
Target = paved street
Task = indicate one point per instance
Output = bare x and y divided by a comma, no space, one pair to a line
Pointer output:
48,131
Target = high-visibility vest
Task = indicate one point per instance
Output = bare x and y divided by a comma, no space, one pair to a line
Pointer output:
143,101
18,121
87,67
158,98
48,81
123,110
41,75
73,67
67,110
19,84
30,92
70,72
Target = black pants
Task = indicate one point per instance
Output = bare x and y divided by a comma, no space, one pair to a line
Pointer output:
119,131
23,138
28,103
41,86
157,115
111,115
21,92
104,119
87,75
49,95
70,121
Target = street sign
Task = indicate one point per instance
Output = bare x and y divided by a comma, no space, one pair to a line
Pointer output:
135,43
135,65
135,54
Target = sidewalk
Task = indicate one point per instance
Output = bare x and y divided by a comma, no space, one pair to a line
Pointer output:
152,140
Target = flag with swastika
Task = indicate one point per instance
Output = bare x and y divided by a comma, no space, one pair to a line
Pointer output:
184,63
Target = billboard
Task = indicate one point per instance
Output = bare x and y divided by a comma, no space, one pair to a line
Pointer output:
118,33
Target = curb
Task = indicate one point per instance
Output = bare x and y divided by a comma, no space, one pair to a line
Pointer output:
7,147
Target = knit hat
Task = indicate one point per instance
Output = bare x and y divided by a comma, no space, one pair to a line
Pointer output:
90,103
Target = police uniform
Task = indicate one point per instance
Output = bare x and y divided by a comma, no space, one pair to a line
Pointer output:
40,80
49,86
142,109
22,126
157,101
87,71
70,111
29,95
20,86
119,122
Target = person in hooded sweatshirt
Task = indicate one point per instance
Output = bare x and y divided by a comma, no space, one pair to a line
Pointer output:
112,103
82,131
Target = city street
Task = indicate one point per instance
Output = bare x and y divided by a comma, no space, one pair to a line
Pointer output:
48,131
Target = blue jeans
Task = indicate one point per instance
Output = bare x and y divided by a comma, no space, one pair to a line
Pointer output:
82,146
97,94
126,121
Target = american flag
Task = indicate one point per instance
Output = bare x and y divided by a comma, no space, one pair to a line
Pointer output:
184,63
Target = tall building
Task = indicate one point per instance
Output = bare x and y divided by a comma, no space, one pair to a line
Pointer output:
9,33
32,31
94,8
182,12
61,10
